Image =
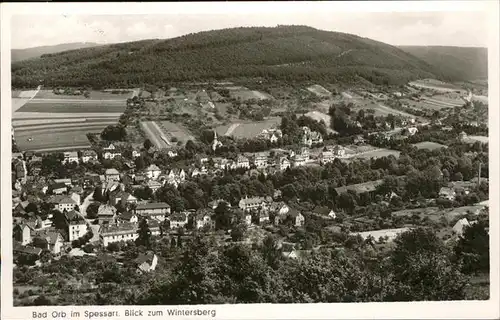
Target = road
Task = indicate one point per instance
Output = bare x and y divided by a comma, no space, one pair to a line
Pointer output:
83,213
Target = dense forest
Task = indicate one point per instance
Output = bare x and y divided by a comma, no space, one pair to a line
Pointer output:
291,53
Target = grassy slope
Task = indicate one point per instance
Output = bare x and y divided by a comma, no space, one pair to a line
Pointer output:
36,52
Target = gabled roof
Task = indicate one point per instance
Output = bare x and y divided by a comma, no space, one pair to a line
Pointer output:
106,210
145,258
111,171
178,216
153,167
66,200
60,185
152,205
126,215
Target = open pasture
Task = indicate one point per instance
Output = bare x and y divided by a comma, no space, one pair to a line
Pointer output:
64,138
472,139
73,107
375,153
425,104
248,129
319,90
93,95
155,134
436,85
245,94
172,130
429,145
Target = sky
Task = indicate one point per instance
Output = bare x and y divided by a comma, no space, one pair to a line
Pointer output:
397,28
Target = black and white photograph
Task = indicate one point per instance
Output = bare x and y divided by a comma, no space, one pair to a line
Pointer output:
188,161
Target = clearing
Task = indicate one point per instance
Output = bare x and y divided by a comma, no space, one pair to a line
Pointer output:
93,95
436,85
171,130
73,107
319,90
472,139
429,145
320,116
249,129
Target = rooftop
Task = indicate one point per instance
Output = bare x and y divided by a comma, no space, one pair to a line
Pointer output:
111,171
152,205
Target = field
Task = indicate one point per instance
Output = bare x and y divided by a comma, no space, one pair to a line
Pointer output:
247,130
429,145
56,122
319,90
93,95
73,106
155,134
318,116
378,153
161,133
472,139
172,130
436,85
244,93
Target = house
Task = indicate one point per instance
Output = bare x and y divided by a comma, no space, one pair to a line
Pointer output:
297,218
153,185
178,220
460,226
76,197
152,172
254,203
89,156
106,214
135,154
260,160
326,157
70,157
338,151
20,170
279,208
119,195
55,241
411,131
203,218
359,140
310,138
20,249
128,217
299,160
176,176
154,210
324,212
65,204
462,136
22,233
59,188
146,262
172,153
112,174
76,224
118,232
284,163
110,152
154,227
447,193
242,162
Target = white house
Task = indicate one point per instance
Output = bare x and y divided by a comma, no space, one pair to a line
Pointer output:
65,203
155,210
242,162
70,157
178,220
326,157
117,233
77,226
112,175
88,156
146,262
153,172
135,154
284,163
260,160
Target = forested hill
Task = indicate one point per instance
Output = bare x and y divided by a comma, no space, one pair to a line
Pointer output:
292,53
36,52
456,63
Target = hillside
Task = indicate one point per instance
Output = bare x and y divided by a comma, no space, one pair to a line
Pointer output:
455,63
292,53
36,52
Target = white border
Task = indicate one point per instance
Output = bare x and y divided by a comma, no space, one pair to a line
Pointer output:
422,310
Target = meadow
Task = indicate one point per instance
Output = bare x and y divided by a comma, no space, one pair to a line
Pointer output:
429,145
247,130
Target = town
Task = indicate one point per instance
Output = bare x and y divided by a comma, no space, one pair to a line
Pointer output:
197,186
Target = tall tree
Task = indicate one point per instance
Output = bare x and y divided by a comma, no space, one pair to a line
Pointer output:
144,232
